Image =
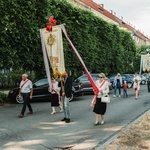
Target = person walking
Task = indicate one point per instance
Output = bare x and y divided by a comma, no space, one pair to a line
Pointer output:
136,85
55,96
117,84
66,91
148,81
125,87
100,107
26,90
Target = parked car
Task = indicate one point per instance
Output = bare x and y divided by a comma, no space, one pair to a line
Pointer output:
86,85
144,78
127,77
41,93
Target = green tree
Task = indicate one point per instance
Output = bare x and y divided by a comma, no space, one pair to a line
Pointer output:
102,45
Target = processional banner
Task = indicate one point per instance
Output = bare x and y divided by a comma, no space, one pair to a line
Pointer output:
145,62
54,48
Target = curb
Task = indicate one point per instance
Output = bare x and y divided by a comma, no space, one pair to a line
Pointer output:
101,145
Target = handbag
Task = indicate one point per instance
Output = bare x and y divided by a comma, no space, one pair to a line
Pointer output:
105,99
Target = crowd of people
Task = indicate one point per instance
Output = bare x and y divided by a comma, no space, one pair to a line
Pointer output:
61,92
120,84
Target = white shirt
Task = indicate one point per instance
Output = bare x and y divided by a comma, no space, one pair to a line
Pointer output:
26,87
148,77
55,87
104,88
136,85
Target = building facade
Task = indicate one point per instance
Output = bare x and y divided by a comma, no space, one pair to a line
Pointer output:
110,16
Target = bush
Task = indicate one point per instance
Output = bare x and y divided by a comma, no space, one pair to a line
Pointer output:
103,46
3,97
13,78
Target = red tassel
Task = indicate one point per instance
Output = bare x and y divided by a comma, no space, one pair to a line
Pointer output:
49,27
51,22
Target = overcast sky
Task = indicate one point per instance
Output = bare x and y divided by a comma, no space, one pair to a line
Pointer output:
137,12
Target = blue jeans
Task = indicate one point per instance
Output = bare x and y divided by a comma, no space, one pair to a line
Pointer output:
66,107
125,93
117,86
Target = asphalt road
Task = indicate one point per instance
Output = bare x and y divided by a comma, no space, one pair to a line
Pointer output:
43,131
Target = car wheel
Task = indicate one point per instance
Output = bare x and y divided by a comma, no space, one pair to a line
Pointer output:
19,100
129,85
72,97
143,82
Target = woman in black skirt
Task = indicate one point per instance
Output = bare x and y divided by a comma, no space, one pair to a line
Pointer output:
55,96
100,107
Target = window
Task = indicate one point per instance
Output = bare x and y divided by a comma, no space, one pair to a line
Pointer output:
41,82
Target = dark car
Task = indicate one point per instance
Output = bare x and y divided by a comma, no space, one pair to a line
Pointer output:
86,85
41,93
125,77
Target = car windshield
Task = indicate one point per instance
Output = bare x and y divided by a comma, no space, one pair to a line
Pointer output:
41,82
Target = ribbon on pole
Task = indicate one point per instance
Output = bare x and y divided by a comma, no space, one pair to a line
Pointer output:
95,88
46,60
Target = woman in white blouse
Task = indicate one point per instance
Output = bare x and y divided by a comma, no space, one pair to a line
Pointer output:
136,85
55,96
100,107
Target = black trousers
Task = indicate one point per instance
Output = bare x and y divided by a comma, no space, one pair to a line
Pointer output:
148,86
26,99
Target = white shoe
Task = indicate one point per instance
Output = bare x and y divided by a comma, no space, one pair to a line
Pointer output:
102,122
53,113
119,96
61,110
114,96
96,123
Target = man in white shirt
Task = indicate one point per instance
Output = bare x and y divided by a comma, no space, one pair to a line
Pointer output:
26,90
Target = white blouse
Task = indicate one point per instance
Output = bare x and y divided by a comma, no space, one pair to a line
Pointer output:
104,88
136,85
55,87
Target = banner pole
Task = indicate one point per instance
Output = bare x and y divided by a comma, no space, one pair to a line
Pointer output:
46,60
95,88
140,67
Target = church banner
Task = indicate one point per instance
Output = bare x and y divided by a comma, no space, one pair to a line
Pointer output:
145,62
54,48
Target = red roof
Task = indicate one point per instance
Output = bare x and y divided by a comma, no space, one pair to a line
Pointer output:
108,14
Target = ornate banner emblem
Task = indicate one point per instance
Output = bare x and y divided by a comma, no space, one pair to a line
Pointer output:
54,47
51,39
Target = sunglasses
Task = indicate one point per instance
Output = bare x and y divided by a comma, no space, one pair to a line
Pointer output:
101,77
